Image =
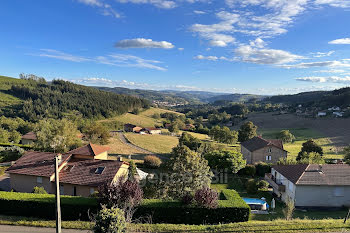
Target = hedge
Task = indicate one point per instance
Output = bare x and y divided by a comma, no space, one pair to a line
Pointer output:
26,147
231,209
44,205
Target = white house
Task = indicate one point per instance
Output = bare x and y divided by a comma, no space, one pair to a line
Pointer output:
312,185
321,114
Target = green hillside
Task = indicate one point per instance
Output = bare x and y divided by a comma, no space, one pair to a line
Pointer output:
6,99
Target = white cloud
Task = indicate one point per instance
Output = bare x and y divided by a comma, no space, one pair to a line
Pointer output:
321,54
163,4
330,71
209,58
340,41
121,60
143,43
105,8
331,79
334,3
250,54
199,12
181,49
331,64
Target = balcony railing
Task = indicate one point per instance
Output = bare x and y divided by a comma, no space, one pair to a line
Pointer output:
275,183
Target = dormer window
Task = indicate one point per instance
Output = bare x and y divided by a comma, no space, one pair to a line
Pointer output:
99,170
270,150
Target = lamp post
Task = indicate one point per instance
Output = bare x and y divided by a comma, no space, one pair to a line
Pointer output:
57,195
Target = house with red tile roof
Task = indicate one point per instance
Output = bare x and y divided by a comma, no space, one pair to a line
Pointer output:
258,149
28,138
312,185
81,171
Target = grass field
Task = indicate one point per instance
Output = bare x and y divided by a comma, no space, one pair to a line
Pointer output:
276,226
120,148
301,135
5,98
159,144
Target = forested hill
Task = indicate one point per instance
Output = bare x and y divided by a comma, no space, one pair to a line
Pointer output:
36,99
340,97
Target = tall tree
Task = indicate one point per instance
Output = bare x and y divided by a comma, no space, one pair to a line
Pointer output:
247,131
97,133
188,172
286,136
347,155
308,147
233,161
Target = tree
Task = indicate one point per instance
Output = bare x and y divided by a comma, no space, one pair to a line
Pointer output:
191,142
14,137
189,172
247,131
206,197
110,220
132,171
310,158
233,161
4,136
97,133
308,147
347,155
286,136
223,135
174,128
57,135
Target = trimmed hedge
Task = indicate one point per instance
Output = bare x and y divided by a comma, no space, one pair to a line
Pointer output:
231,209
26,147
43,206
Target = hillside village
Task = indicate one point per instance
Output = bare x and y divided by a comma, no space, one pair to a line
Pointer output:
239,171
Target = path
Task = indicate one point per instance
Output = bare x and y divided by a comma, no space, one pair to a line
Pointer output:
124,140
23,229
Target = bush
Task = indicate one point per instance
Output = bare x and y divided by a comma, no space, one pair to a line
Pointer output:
39,190
152,161
262,168
187,199
110,220
251,186
263,184
12,153
206,197
248,170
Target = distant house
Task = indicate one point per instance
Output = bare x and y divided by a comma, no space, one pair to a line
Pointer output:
152,130
334,108
312,185
258,149
132,128
81,171
28,138
338,114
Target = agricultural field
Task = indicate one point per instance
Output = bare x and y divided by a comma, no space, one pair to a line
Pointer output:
159,144
301,135
5,98
120,148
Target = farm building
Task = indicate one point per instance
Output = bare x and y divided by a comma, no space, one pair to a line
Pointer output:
28,138
152,130
132,128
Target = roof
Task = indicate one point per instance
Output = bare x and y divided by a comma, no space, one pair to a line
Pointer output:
129,125
257,143
151,128
30,136
36,164
83,172
89,149
314,174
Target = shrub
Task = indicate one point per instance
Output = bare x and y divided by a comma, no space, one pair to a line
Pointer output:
248,170
187,199
152,161
288,210
12,153
262,168
39,190
263,184
206,197
110,220
251,186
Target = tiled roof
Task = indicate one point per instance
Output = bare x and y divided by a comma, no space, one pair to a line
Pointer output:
83,172
90,149
314,174
151,128
35,164
29,136
257,143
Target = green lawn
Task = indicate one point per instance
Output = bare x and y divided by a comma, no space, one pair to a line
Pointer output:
301,135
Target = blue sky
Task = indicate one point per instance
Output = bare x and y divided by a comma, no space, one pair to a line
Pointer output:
231,46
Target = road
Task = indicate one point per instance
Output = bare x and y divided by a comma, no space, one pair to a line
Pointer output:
23,229
124,140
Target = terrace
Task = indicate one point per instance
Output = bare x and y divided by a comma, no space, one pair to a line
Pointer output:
276,184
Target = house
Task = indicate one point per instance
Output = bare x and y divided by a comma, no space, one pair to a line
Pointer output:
321,114
334,108
132,128
258,149
28,138
312,185
338,114
152,130
81,171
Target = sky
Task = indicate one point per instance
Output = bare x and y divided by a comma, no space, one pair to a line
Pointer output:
229,46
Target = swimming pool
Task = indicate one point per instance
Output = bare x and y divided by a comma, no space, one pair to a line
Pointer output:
256,204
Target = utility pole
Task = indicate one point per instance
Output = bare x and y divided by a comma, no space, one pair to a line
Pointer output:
57,195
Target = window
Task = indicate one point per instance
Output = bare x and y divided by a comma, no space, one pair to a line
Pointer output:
61,189
270,150
92,190
339,191
39,180
99,170
74,191
268,158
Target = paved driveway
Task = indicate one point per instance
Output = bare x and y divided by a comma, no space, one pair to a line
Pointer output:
5,183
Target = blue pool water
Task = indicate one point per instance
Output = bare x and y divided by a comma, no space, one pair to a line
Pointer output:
255,201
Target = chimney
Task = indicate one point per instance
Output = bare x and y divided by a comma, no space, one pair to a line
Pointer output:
59,156
120,159
320,168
